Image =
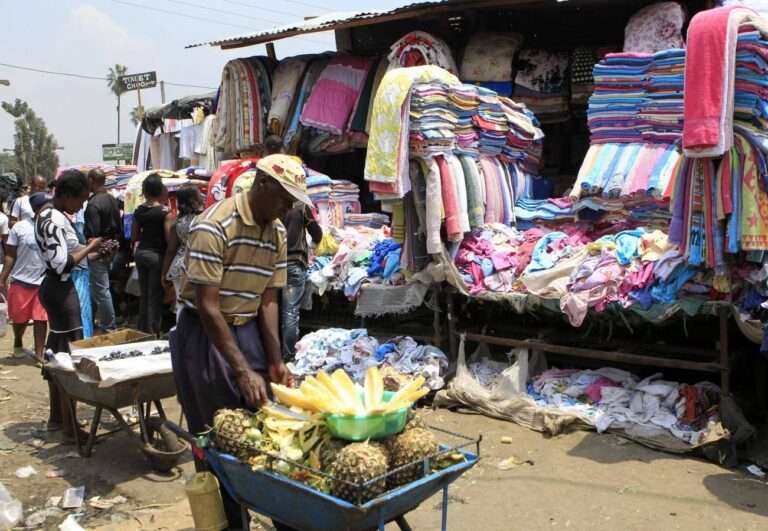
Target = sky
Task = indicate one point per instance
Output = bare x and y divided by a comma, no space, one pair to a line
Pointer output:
87,37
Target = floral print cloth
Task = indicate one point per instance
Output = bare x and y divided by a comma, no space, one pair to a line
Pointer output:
654,28
419,48
542,71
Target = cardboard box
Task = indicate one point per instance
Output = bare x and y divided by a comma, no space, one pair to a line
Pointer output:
118,337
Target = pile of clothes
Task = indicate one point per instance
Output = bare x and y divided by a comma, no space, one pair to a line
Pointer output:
334,199
719,201
364,255
355,351
637,98
584,269
610,398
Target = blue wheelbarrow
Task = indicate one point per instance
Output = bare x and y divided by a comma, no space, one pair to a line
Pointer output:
302,507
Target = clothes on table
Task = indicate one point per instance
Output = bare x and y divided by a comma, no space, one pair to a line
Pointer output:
355,351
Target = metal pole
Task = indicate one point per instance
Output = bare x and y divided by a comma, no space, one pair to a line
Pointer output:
118,118
162,92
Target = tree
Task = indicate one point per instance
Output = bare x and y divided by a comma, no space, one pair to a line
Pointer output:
137,113
117,88
35,148
7,163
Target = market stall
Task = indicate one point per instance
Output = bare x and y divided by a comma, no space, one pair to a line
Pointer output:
540,169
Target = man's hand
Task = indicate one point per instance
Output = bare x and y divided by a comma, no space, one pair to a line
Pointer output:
253,388
280,374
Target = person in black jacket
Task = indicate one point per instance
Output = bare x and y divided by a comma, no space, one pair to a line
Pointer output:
102,220
298,222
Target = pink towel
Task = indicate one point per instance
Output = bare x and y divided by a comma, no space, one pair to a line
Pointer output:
709,80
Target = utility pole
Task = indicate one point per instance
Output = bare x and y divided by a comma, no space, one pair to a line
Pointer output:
162,92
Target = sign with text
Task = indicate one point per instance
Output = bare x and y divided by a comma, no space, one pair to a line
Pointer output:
139,81
116,152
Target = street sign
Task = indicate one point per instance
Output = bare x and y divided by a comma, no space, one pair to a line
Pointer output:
117,152
139,81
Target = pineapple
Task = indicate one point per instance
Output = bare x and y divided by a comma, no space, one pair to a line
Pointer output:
358,463
235,431
329,449
410,446
415,420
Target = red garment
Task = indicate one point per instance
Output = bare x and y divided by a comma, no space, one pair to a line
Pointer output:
710,56
450,201
223,179
24,304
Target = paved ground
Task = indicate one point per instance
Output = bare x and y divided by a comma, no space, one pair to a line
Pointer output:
579,481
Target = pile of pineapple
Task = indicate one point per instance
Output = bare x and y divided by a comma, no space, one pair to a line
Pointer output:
300,436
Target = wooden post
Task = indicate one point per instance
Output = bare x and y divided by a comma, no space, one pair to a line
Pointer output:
271,51
725,360
162,92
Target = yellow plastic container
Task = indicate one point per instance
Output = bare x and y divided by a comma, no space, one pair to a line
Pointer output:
205,501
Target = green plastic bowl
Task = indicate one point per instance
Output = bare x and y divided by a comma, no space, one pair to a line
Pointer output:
364,427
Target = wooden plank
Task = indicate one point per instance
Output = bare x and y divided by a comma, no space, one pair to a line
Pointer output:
616,356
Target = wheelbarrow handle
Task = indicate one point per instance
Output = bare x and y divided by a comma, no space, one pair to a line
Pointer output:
179,431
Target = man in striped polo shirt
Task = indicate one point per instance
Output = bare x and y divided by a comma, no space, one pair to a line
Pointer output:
226,344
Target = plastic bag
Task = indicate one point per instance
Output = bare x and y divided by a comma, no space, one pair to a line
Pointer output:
328,246
3,315
10,509
132,286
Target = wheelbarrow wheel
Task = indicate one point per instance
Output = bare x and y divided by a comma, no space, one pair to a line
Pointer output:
164,448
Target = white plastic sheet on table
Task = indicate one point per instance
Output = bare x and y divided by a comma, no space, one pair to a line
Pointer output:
116,371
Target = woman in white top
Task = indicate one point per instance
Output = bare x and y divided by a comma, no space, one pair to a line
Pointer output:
62,252
24,268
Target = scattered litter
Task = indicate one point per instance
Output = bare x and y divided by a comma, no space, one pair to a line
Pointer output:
10,509
9,378
70,524
36,443
6,443
73,497
756,471
53,501
5,373
506,440
55,473
513,462
25,472
39,517
628,489
104,504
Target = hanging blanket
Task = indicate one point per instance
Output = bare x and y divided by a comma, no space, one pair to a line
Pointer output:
712,35
419,48
387,156
286,81
336,93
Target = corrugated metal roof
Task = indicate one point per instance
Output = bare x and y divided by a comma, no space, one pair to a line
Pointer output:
327,22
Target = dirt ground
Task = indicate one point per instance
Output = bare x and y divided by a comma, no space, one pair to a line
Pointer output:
578,481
